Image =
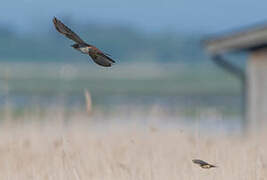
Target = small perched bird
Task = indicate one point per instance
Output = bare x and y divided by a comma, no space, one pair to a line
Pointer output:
203,164
98,56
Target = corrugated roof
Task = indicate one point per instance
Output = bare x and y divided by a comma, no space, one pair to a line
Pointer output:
247,39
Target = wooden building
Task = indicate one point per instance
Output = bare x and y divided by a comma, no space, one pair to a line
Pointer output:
252,40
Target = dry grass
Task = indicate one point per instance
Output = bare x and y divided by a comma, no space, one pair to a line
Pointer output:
80,150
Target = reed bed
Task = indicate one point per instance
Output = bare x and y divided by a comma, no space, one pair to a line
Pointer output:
100,147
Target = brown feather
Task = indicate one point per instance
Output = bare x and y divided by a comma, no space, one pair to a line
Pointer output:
63,29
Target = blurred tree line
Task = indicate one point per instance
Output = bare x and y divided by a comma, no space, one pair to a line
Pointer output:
124,43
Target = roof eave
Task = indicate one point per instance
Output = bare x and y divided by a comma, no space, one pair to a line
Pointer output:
241,41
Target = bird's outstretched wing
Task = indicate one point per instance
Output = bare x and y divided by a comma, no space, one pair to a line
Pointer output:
101,59
63,29
200,162
203,164
106,56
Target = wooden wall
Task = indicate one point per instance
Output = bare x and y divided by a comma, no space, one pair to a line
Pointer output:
257,89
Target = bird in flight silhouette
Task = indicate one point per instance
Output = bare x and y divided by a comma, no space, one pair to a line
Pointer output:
203,164
97,56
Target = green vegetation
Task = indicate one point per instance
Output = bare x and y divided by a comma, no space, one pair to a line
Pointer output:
135,79
176,86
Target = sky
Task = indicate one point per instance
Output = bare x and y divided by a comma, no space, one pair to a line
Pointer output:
208,16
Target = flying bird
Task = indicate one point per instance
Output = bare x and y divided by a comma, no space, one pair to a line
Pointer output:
98,56
203,164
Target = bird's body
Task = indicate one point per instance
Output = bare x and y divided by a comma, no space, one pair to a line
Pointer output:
82,48
203,164
98,56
